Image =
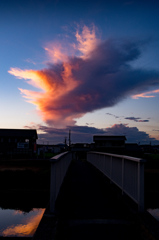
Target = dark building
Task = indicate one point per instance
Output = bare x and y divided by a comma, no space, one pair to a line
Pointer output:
114,144
146,148
133,149
17,142
80,147
80,150
109,141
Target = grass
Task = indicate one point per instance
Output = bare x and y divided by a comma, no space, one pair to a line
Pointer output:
153,156
47,155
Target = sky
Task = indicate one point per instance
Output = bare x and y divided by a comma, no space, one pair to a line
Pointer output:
91,67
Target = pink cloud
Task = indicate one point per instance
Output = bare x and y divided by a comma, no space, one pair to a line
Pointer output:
145,94
100,76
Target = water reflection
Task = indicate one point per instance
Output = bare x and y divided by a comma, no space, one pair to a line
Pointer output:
154,213
18,223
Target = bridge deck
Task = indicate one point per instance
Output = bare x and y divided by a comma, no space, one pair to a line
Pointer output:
87,208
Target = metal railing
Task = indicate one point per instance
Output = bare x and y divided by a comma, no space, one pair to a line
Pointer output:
59,166
126,172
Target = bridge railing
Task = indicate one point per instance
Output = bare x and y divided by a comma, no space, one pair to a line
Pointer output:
59,166
126,172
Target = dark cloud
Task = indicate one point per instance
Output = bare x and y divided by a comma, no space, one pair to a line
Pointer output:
136,119
85,134
101,79
113,115
132,134
78,133
133,118
143,120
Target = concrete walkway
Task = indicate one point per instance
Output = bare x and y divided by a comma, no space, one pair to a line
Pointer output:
87,208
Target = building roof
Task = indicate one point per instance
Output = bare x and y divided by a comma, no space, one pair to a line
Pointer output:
108,138
27,133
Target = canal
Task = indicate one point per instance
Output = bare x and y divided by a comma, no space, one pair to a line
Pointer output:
24,195
25,191
152,190
16,223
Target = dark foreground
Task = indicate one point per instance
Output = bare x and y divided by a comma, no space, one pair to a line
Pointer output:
24,185
88,207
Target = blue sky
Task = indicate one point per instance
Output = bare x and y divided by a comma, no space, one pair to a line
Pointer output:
112,51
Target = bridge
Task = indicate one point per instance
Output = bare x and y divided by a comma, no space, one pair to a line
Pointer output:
86,199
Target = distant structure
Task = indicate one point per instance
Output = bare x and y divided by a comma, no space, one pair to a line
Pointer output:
43,149
17,142
80,150
132,147
109,143
80,147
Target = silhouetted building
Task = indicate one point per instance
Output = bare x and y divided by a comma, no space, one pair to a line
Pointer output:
109,141
146,148
80,147
41,148
156,149
132,147
80,150
17,142
113,144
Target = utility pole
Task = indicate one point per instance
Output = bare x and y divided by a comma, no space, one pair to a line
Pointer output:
65,142
69,138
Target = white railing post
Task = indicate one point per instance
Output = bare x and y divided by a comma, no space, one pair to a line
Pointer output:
53,187
59,166
122,176
111,167
140,187
125,171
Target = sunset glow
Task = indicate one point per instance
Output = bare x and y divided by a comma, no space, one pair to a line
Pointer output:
76,61
69,71
56,86
25,229
87,41
146,94
71,86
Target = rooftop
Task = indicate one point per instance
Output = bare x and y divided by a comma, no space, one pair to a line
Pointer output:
28,133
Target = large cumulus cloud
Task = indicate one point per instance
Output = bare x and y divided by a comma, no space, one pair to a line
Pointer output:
99,76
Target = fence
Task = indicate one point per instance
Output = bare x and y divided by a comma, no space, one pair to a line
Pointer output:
126,172
59,166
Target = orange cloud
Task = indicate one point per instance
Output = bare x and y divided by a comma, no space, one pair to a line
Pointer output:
55,52
145,95
99,77
87,41
35,79
26,229
55,85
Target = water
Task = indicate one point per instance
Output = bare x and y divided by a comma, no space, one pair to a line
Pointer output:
16,223
23,198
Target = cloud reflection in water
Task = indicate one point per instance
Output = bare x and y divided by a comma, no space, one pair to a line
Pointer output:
27,225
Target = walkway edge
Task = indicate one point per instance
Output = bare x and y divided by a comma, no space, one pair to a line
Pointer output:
47,226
